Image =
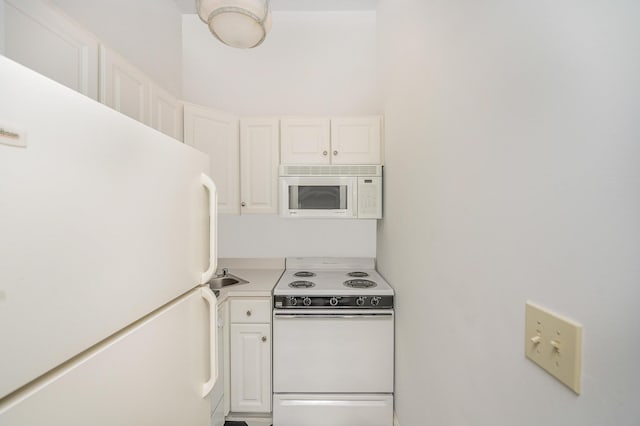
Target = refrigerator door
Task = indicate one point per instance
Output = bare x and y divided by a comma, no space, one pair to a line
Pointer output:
102,221
149,374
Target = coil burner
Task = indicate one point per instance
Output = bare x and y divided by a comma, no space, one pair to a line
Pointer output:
301,284
360,283
304,274
358,274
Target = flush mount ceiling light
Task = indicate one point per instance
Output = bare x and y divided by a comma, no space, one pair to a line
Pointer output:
238,23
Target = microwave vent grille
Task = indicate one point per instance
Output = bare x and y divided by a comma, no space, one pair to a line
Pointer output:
334,170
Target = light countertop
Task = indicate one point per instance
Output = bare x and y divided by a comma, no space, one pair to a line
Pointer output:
263,274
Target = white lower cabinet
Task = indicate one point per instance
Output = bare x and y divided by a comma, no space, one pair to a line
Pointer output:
250,355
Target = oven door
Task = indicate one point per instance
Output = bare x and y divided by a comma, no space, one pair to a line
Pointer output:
333,409
326,351
318,196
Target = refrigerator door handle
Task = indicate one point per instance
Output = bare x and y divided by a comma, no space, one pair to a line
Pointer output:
213,227
208,295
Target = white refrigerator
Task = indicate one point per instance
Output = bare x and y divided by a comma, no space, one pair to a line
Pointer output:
107,232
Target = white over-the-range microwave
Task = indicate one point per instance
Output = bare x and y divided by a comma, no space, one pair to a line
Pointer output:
336,191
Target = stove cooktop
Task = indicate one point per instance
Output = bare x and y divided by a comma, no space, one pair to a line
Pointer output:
332,283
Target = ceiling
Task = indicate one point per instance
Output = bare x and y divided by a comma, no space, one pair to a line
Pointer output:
188,6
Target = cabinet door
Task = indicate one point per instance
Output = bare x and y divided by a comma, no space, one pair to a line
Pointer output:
304,140
259,150
166,112
124,87
40,37
149,374
355,140
251,368
216,134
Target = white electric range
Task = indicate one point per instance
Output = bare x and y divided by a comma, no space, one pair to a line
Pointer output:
333,344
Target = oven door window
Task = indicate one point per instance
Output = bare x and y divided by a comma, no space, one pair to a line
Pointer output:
318,197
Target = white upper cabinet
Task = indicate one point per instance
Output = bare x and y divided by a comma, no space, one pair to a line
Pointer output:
124,87
339,140
166,112
244,157
128,90
305,140
259,159
41,37
216,134
45,40
356,140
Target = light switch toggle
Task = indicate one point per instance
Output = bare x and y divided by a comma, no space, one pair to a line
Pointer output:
535,340
556,345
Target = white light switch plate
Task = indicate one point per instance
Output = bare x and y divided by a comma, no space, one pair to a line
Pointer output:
555,344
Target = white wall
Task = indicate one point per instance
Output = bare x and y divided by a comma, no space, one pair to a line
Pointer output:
148,33
2,29
512,173
272,236
310,63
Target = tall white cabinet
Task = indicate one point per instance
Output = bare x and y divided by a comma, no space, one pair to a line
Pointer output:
38,37
259,159
244,157
216,134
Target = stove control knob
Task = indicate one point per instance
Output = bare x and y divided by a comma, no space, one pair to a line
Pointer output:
293,301
333,301
360,301
307,301
375,301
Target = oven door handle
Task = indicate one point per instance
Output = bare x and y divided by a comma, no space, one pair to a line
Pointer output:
381,315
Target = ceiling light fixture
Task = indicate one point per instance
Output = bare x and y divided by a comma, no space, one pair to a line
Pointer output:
237,23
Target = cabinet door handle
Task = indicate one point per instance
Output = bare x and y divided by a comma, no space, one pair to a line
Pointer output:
324,153
264,338
248,313
335,152
243,204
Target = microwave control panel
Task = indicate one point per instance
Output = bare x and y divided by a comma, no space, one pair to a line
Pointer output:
370,197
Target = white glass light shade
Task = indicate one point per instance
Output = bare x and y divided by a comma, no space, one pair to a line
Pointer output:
237,23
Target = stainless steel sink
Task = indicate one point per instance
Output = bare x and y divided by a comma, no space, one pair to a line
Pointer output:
225,280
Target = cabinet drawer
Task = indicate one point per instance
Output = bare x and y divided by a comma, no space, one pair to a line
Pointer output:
251,311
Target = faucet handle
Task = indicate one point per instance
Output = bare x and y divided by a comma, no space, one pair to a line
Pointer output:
225,272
